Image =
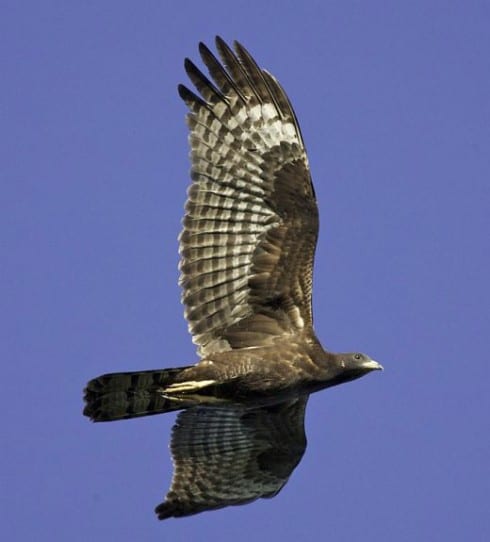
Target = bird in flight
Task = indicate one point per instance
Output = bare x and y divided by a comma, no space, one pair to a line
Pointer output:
247,248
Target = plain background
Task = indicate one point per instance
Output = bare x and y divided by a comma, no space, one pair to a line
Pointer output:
394,103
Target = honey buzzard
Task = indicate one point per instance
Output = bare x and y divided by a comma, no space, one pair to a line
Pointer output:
247,249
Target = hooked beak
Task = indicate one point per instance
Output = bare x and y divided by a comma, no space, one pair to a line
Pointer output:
372,365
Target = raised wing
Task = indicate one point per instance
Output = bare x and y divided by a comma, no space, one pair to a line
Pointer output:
251,220
232,455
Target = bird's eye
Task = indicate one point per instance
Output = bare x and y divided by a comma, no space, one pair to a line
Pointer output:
357,356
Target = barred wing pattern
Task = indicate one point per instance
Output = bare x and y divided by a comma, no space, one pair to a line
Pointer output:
251,221
232,455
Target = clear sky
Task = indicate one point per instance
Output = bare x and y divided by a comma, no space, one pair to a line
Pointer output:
394,103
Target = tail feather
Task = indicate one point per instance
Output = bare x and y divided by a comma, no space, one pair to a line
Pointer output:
119,396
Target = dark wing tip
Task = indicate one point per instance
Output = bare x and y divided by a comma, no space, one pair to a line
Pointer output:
219,41
225,51
164,511
189,97
204,49
183,91
169,509
188,64
240,48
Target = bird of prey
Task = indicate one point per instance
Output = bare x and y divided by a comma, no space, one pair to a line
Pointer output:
247,247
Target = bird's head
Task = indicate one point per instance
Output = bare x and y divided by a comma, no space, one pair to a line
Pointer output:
351,365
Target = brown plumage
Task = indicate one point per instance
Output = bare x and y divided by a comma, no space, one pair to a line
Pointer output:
247,249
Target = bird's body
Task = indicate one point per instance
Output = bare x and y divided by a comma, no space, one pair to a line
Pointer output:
247,249
258,375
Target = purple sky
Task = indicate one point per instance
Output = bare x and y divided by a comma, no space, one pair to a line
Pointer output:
394,103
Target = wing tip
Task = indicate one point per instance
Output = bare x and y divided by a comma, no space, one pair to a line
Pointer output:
170,508
189,97
164,510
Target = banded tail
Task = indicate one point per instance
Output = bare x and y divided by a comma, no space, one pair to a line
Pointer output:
119,396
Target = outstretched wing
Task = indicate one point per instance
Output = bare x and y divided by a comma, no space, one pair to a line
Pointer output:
232,455
251,220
